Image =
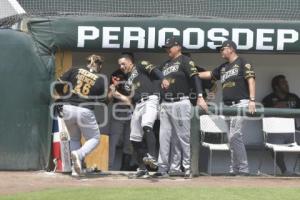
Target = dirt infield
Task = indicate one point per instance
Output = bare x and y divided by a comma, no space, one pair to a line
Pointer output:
15,182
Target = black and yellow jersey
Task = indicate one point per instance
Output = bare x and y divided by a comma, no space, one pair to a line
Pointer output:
178,72
140,82
233,77
82,86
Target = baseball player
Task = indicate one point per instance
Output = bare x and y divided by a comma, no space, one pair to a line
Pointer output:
238,83
119,122
175,111
145,97
86,86
176,151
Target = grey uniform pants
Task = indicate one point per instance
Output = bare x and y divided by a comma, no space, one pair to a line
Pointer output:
144,114
79,121
239,162
174,120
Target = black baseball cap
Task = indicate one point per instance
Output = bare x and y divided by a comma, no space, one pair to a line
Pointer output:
227,43
170,42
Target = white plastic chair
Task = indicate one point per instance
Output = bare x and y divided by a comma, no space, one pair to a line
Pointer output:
213,124
276,125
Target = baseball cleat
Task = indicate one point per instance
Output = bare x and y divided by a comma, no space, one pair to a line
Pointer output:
176,173
243,174
160,175
141,173
187,174
76,162
74,173
150,161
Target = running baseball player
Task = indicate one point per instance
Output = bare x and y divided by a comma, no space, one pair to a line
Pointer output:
86,86
238,82
145,97
175,113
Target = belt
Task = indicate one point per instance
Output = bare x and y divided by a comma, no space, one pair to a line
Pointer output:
231,103
175,99
90,107
142,99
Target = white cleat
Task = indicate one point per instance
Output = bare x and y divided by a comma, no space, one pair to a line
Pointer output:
76,163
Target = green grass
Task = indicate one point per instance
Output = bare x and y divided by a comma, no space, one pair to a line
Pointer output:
160,193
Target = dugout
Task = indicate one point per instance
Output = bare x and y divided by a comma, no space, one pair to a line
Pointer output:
40,47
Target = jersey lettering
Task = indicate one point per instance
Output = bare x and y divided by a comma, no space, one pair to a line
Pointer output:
229,74
170,69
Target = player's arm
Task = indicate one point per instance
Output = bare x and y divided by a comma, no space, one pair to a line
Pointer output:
113,93
197,82
64,81
191,71
111,89
125,99
251,84
250,77
207,75
157,74
152,70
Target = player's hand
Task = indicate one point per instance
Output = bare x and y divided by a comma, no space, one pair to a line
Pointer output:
115,80
165,84
112,88
251,107
202,104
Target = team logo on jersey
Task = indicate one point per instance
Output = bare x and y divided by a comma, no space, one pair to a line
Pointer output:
248,66
170,69
192,63
145,62
229,74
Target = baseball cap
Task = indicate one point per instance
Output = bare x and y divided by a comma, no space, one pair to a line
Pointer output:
227,43
170,42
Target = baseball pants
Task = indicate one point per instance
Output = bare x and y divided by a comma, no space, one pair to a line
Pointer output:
79,121
174,119
175,154
239,162
144,114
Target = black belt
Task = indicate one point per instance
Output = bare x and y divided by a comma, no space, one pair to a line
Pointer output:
142,99
175,99
233,102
